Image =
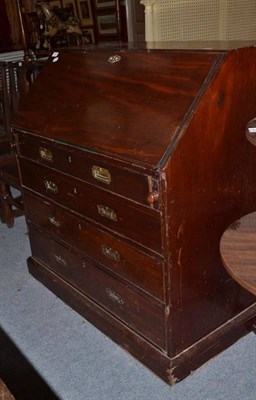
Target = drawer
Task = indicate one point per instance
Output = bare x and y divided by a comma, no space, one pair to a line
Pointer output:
136,310
132,220
87,167
123,259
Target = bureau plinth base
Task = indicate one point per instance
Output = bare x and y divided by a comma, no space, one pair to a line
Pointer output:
136,345
171,370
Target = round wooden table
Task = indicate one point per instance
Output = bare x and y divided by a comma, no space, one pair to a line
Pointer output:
238,251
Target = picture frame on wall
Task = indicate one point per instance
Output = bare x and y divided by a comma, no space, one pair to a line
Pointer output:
105,3
85,12
70,4
88,36
107,24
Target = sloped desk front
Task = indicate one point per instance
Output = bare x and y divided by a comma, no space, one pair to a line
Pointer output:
133,162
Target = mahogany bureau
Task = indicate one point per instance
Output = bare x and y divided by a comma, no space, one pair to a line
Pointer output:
133,162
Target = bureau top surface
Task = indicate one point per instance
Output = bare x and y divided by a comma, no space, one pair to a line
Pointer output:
131,106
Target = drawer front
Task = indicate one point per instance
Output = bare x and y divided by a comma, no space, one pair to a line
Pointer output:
141,314
122,181
138,223
125,260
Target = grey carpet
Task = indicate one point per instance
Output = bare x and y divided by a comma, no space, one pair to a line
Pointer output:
79,363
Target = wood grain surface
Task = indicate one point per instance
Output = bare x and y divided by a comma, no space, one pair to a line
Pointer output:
174,116
238,251
107,108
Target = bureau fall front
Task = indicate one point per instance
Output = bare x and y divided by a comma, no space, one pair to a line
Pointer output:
133,162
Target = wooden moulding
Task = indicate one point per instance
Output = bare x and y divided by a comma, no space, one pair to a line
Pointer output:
170,370
136,345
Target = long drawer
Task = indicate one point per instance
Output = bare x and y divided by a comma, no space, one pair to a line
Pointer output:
137,311
137,222
136,266
86,166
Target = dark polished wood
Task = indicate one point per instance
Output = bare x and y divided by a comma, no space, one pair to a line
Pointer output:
149,236
212,178
127,338
132,307
145,270
123,181
94,203
139,92
238,251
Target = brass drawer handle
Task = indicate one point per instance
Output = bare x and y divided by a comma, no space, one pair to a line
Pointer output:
60,260
101,174
107,212
45,154
108,252
54,221
51,186
114,296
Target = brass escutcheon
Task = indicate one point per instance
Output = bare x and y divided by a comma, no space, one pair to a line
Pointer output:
108,252
51,186
114,296
54,221
60,260
45,154
107,212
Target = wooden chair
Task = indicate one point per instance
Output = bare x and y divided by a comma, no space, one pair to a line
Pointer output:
11,206
7,157
16,78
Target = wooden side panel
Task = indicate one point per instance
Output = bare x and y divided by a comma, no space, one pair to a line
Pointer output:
211,180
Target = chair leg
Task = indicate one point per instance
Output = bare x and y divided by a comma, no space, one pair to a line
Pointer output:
7,213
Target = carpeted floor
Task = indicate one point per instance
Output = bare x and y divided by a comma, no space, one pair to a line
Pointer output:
59,349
